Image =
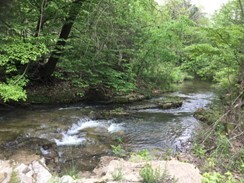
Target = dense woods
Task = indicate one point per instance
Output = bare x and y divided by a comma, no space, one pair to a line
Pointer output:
111,47
107,46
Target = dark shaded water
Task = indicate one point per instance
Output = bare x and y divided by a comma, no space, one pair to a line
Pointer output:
77,136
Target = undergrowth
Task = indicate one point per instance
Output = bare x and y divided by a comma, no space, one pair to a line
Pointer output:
219,147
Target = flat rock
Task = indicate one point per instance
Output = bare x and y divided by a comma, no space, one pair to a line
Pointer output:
183,172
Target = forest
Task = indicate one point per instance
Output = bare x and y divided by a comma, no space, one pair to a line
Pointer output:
67,51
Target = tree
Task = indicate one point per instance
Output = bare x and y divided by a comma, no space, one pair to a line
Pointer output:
48,69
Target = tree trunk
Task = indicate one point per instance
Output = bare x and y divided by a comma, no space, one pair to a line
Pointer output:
47,70
40,22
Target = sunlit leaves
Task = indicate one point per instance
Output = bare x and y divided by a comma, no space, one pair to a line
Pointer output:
22,52
13,89
218,54
13,54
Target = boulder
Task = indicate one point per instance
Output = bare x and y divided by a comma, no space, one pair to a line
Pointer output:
35,172
5,171
183,172
200,114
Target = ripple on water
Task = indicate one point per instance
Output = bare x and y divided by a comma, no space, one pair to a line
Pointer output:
77,133
142,129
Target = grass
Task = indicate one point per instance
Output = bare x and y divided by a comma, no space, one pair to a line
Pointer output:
14,178
118,150
72,170
117,175
150,175
141,155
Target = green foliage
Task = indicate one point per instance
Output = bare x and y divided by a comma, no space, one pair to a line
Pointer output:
199,150
15,55
236,161
72,170
216,177
217,55
121,43
12,92
20,51
150,175
114,45
118,150
118,47
141,155
119,140
223,145
218,152
117,175
168,154
14,178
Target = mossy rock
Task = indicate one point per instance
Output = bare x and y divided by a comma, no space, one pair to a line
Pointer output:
204,115
118,112
170,103
200,114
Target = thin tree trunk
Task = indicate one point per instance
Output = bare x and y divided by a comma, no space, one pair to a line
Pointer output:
242,10
50,66
40,22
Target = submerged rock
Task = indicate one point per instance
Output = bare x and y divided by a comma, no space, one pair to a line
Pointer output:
165,103
170,103
118,112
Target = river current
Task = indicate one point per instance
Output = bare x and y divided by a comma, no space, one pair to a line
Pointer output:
77,135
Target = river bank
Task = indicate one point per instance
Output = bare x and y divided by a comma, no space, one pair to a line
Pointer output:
84,133
109,170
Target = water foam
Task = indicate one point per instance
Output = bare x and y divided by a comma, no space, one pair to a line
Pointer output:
83,124
68,140
114,127
75,135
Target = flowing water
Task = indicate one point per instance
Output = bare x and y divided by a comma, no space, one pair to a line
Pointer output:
79,136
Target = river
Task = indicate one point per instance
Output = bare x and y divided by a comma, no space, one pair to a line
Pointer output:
77,136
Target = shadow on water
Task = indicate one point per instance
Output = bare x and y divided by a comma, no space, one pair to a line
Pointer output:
74,136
